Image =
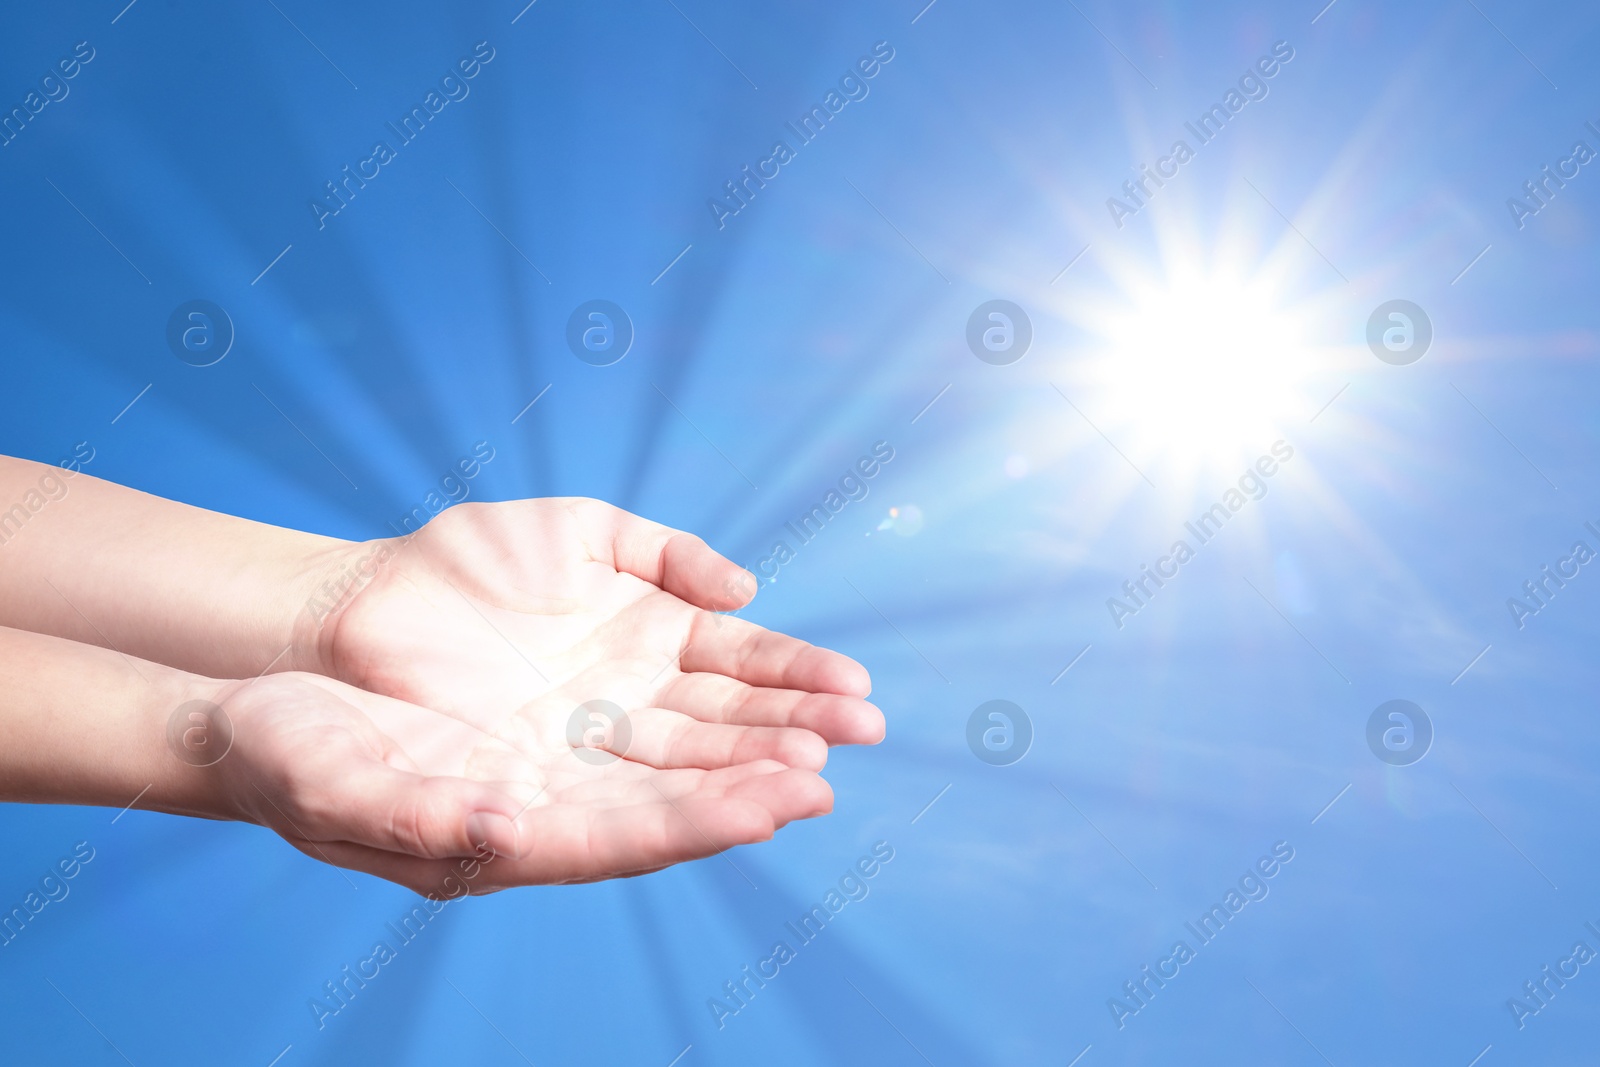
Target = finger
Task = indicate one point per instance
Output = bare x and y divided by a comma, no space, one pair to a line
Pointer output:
838,720
369,802
787,793
722,644
666,739
576,844
439,879
678,562
637,783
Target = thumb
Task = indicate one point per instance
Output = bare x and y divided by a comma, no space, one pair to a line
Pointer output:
678,562
431,817
697,573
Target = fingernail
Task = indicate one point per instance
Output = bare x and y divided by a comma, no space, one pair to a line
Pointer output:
494,830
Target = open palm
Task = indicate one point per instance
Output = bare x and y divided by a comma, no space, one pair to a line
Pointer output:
557,624
376,784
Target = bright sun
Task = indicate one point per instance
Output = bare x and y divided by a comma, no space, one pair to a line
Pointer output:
1198,370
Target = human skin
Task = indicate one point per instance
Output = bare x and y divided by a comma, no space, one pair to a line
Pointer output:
357,779
503,617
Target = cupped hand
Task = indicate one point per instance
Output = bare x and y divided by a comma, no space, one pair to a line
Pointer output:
514,616
376,784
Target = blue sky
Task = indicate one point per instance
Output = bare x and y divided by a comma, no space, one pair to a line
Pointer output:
770,352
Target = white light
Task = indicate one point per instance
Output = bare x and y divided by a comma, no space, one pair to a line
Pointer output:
1199,370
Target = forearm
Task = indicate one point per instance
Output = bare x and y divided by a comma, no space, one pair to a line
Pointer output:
84,725
99,563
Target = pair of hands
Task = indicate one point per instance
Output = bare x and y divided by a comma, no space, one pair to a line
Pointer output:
436,717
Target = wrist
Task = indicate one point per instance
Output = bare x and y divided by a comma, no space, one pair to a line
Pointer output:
193,735
162,581
85,725
330,583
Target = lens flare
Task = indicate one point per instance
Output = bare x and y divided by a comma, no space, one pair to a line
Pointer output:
905,521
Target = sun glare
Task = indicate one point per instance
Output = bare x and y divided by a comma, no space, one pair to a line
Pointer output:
1198,370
